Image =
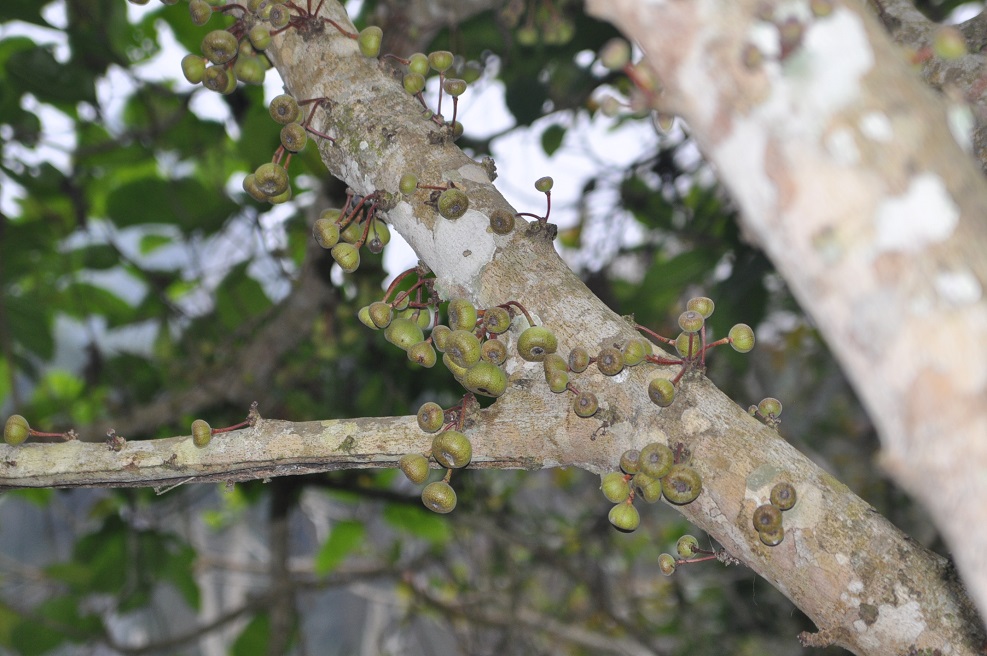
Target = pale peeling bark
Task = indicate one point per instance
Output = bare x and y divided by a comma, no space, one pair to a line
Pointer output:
848,176
865,584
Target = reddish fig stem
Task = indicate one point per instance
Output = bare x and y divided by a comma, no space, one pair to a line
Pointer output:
654,359
399,60
242,424
648,331
339,27
571,387
397,281
531,322
548,206
455,110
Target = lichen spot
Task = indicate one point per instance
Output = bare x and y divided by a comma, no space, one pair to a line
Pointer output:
364,145
923,215
694,422
876,127
958,287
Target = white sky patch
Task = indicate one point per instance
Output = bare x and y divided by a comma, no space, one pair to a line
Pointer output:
924,214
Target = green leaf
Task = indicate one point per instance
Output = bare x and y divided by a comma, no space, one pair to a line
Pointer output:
28,11
239,297
418,522
344,538
83,299
97,256
29,323
186,203
551,138
38,72
176,571
150,243
253,640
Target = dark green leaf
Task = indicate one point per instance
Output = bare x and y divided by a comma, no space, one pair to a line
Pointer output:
185,202
239,298
551,138
254,638
29,323
37,71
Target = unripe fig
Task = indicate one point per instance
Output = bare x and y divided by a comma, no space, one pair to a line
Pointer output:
418,63
463,348
331,214
741,338
369,40
219,46
610,361
16,430
193,68
766,517
250,186
688,345
249,69
635,350
783,495
284,109
423,354
691,321
271,179
440,60
431,417
687,546
681,485
294,137
770,407
630,461
666,564
545,184
615,487
578,360
283,197
201,433
501,222
554,362
535,343
485,378
352,233
496,320
260,37
401,302
661,391
414,83
454,86
702,305
439,497
457,371
615,54
381,314
415,467
585,404
462,314
648,488
326,233
453,203
216,78
347,256
558,381
408,183
403,333
278,16
452,449
364,316
656,460
624,517
772,537
200,11
440,337
493,351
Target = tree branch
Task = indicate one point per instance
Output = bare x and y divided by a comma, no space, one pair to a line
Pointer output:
846,172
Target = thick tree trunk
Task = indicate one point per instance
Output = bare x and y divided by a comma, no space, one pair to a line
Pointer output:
865,584
847,174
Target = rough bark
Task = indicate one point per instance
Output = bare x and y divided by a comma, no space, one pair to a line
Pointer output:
865,584
847,174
